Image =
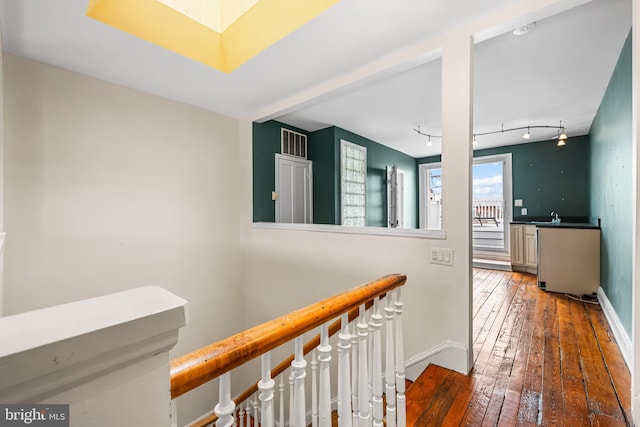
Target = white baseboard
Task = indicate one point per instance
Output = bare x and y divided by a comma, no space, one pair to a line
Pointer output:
449,354
621,336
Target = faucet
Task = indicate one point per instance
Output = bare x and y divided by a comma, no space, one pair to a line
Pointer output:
555,220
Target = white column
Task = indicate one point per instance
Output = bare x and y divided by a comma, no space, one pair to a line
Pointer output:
344,375
390,371
364,415
324,356
266,386
376,362
400,385
225,407
457,160
299,373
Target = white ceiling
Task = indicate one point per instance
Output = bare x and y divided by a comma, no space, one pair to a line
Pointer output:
557,72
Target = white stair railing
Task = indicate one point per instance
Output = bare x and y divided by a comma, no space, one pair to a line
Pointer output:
361,382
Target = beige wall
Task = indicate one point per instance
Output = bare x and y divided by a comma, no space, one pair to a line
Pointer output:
110,189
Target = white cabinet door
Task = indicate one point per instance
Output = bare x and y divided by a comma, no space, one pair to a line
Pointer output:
530,251
517,244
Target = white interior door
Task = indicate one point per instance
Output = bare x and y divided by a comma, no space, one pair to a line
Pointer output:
430,188
294,200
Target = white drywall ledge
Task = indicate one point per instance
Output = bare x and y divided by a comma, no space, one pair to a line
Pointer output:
47,352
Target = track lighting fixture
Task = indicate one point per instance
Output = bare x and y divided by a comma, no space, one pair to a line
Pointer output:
562,133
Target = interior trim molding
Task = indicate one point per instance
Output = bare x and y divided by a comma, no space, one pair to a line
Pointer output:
372,231
621,336
448,354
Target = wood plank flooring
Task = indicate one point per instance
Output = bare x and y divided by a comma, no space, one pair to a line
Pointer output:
541,358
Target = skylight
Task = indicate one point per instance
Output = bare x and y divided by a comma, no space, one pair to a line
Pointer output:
223,34
215,14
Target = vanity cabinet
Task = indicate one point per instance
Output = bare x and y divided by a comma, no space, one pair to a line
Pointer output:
523,248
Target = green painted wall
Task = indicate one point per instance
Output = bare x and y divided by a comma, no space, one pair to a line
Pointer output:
324,151
546,177
326,180
266,142
611,186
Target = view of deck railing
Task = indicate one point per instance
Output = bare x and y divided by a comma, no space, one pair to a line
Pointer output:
359,313
488,208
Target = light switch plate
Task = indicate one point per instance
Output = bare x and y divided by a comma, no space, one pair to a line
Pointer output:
518,203
442,256
274,196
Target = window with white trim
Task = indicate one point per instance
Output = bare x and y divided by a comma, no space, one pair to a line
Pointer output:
353,172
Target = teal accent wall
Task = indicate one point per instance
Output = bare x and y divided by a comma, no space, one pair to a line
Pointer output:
326,176
546,177
266,143
611,186
324,151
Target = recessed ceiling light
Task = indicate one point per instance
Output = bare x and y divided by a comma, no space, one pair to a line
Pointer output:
524,29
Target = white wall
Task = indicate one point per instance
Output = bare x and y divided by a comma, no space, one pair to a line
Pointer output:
110,189
2,235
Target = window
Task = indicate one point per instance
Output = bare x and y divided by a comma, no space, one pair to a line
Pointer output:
353,172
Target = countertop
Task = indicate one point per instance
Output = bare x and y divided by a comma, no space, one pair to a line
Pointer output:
561,224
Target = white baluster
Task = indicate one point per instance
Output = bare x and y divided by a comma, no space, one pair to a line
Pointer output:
376,321
266,386
400,385
247,411
390,374
241,415
281,394
370,359
314,390
344,375
364,415
324,356
254,405
299,373
354,373
224,409
291,398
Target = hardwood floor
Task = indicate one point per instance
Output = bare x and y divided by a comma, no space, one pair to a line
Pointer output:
541,358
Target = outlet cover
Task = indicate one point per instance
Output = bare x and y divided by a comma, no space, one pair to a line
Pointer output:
523,211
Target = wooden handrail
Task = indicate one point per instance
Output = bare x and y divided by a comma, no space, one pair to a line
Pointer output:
282,366
209,362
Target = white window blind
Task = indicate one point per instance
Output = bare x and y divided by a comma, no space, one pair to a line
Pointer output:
353,168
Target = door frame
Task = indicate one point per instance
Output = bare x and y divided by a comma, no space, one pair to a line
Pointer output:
507,194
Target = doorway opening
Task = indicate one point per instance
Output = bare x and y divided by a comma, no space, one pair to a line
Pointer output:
491,206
